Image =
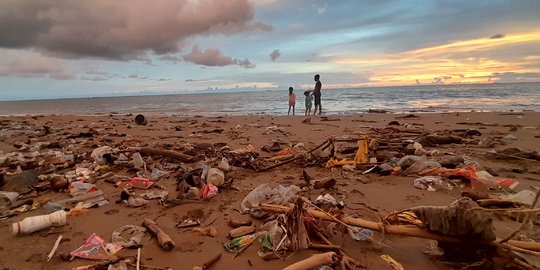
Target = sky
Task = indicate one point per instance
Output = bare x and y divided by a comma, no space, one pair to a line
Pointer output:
66,48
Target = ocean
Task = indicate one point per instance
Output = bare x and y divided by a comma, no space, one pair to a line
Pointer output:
421,98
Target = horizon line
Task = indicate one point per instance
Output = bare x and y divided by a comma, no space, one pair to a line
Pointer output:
243,90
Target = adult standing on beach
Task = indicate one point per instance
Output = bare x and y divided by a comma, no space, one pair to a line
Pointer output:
317,94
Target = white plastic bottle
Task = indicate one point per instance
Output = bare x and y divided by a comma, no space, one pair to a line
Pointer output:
36,223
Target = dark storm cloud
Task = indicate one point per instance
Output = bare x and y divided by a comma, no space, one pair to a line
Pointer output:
119,29
275,54
497,36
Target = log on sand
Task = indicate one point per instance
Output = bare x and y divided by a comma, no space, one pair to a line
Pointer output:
390,229
167,153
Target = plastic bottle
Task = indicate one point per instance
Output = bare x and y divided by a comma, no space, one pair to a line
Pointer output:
36,223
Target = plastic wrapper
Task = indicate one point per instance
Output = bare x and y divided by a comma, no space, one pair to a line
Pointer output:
266,194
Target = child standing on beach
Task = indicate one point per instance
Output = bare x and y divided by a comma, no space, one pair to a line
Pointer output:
309,102
292,100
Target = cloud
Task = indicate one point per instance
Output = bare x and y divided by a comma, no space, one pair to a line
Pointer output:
31,65
516,77
172,58
214,57
497,36
244,63
99,75
133,76
441,79
275,55
74,29
321,9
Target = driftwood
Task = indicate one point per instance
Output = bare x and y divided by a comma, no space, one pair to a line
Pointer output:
390,229
499,203
326,184
208,263
296,157
164,240
167,153
314,261
347,261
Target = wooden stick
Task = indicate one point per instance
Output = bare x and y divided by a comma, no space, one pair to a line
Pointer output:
55,247
166,153
294,158
313,261
208,263
164,240
390,229
347,260
138,267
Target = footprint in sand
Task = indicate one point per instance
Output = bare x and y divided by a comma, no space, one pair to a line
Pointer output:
412,198
112,212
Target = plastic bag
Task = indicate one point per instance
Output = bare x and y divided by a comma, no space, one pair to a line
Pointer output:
93,249
422,165
215,176
409,160
98,154
139,182
264,193
135,236
431,183
494,182
525,196
157,173
209,191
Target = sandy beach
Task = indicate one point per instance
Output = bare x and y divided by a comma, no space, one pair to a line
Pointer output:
370,196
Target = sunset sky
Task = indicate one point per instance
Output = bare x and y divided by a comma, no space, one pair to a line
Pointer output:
65,48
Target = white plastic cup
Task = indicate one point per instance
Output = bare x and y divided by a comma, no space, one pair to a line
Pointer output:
36,223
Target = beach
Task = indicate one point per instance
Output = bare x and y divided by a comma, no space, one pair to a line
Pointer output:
370,196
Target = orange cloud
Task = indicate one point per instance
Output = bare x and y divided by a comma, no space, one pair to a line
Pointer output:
428,64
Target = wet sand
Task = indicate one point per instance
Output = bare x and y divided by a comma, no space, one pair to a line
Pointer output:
369,196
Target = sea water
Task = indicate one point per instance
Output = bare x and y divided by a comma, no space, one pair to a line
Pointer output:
421,98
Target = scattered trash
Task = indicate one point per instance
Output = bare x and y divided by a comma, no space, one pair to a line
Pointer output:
206,231
138,161
360,234
135,234
139,182
102,155
241,231
215,176
155,194
141,120
314,261
95,248
394,265
264,193
431,183
7,199
238,243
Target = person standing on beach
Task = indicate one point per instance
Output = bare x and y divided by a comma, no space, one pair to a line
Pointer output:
317,94
292,100
309,102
